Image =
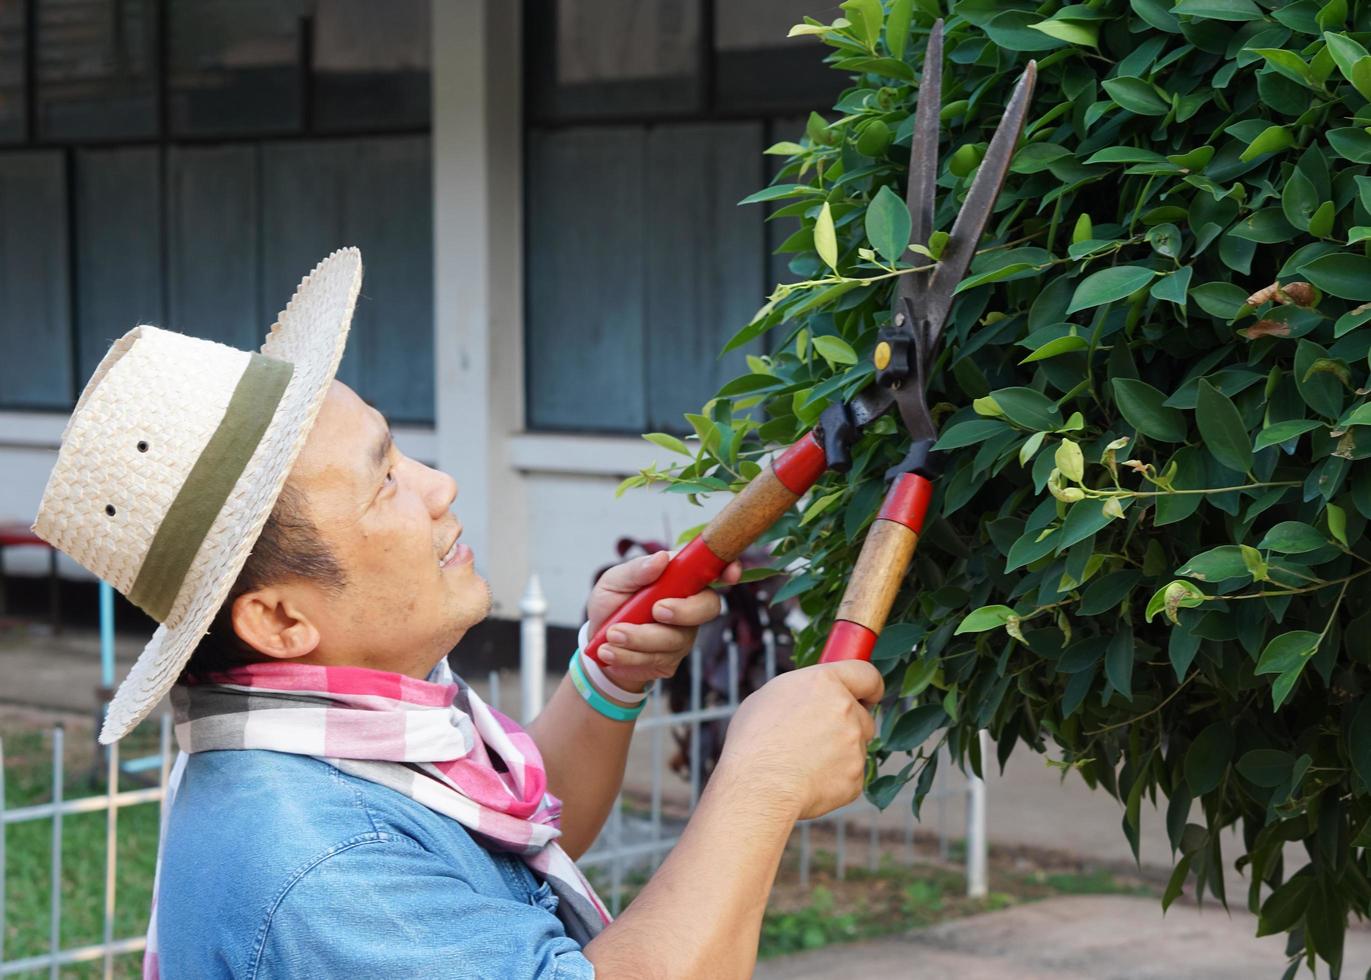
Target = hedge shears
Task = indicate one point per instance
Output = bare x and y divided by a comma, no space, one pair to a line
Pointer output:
903,355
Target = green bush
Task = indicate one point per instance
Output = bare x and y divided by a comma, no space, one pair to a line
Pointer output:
1148,553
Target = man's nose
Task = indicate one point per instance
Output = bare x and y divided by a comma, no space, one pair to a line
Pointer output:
442,493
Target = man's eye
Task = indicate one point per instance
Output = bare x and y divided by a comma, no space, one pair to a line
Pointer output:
390,477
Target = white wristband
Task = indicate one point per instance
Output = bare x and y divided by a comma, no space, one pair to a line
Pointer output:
597,675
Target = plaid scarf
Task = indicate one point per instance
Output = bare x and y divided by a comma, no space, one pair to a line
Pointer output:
434,741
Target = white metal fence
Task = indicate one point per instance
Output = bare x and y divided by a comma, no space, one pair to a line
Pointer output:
643,827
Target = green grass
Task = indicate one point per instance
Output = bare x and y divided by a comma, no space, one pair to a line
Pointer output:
28,885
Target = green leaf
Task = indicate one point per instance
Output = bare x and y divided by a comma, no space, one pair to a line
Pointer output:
1222,428
1351,143
915,727
1266,767
1157,13
1299,199
1216,565
826,238
1359,740
668,442
1342,274
1235,10
1172,288
1269,140
888,224
817,507
1282,431
1287,652
1220,299
1028,408
1137,96
1208,757
918,676
1292,538
1352,60
866,17
1053,348
1174,596
778,191
969,433
1337,523
1109,285
1118,661
984,618
897,27
1285,907
1081,34
835,350
1142,406
1070,460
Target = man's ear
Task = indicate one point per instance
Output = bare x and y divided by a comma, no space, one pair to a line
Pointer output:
273,624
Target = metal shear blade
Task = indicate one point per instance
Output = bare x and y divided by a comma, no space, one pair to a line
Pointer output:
922,299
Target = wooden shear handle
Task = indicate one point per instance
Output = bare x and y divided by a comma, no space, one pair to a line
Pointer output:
770,494
880,569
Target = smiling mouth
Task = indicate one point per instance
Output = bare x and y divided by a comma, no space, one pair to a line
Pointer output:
456,555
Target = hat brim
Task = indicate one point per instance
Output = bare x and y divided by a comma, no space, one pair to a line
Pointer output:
311,333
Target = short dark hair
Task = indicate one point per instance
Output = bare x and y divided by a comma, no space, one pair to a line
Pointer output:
289,548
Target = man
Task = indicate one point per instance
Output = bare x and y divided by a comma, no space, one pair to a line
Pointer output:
344,805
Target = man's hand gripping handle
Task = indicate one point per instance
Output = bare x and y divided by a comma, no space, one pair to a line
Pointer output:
771,493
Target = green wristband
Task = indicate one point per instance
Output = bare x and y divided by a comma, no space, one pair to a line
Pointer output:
597,700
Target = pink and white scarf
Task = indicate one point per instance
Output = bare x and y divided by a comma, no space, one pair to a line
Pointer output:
433,740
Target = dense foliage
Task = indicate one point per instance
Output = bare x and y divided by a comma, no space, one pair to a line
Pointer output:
1149,557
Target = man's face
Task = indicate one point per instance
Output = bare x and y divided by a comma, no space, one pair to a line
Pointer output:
387,520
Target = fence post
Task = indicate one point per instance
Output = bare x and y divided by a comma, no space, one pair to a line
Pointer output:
977,883
532,648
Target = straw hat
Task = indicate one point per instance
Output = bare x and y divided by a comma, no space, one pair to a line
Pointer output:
173,460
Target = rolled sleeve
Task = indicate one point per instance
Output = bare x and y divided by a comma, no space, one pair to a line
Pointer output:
389,908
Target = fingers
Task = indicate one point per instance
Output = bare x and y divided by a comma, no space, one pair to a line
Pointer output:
731,574
651,638
863,680
695,610
634,575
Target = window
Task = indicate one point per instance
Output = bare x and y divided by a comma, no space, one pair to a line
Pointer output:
13,57
152,183
641,140
96,70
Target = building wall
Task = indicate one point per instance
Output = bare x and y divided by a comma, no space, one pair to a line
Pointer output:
531,502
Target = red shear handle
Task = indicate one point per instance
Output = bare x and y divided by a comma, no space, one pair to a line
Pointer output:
762,502
885,558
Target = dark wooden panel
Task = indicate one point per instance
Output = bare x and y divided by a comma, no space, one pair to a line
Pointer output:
706,265
212,256
35,305
375,194
585,277
118,248
388,213
302,221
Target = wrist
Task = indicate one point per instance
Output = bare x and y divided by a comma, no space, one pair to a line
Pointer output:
605,679
745,783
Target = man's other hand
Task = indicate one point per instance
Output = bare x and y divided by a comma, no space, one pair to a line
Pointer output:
634,655
800,741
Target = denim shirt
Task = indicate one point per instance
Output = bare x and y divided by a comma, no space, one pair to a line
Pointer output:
282,866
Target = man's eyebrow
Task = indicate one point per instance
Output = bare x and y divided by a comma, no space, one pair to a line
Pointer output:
382,451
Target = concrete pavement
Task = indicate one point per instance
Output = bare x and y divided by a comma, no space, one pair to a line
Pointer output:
1086,937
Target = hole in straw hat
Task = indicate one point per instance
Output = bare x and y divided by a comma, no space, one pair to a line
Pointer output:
142,446
109,509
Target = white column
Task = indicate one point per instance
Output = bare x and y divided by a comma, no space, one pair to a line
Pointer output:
977,879
478,282
532,649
